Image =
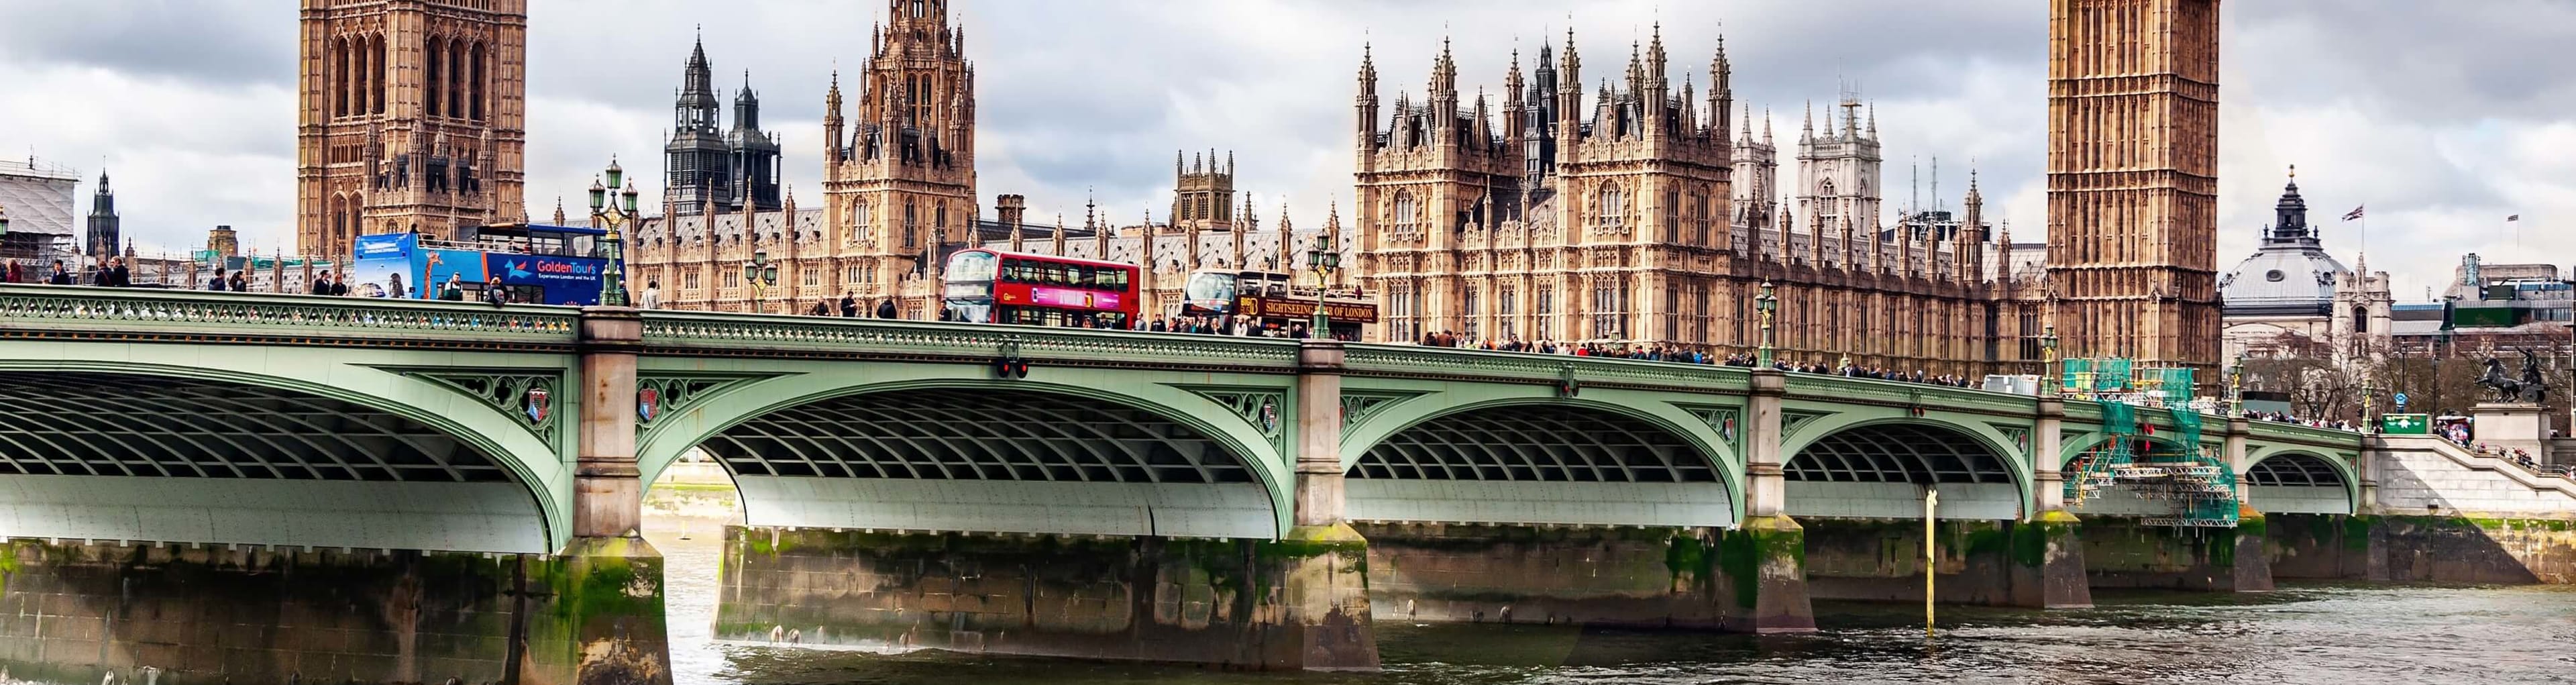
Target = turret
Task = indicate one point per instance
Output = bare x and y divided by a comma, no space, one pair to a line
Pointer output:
1569,97
1656,84
832,131
1512,101
1444,94
1366,104
1969,246
2290,214
1721,95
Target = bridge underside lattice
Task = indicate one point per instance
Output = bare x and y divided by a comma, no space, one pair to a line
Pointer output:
1539,463
1883,470
133,457
990,461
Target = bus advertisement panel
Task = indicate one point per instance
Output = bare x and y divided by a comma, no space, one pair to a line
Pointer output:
385,265
546,279
1289,308
1049,296
438,265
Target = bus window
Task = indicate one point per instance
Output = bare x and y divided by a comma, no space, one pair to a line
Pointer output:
1210,287
971,267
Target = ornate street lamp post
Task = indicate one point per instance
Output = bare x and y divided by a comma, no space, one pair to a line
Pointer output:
2236,387
613,216
2368,398
759,273
2048,359
1766,305
1324,260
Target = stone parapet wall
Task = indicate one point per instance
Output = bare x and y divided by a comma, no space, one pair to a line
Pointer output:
2444,549
2427,476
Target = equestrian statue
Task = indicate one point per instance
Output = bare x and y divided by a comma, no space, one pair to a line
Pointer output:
2531,387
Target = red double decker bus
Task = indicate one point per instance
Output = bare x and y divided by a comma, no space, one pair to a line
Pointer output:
992,286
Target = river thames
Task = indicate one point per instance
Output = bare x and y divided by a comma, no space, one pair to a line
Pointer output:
2304,634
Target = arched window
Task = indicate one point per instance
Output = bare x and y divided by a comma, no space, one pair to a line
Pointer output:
331,207
1404,212
340,81
474,86
1614,205
1700,217
376,64
435,64
2360,319
1672,215
911,224
456,79
1827,220
860,221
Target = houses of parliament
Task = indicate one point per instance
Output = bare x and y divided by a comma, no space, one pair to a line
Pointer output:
1646,211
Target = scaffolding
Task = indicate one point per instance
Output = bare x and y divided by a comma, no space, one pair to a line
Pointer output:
2195,485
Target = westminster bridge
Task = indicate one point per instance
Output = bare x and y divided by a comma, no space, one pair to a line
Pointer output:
277,487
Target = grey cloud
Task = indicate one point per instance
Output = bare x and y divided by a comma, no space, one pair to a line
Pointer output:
231,42
2410,105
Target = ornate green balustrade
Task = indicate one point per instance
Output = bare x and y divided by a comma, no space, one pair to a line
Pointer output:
1442,362
79,311
2291,433
751,334
1824,387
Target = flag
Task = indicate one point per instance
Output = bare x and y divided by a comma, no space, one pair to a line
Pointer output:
2516,217
2354,214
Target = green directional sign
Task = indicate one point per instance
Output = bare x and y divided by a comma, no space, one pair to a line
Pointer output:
2405,424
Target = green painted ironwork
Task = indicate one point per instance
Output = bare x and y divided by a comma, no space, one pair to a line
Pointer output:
1259,406
189,312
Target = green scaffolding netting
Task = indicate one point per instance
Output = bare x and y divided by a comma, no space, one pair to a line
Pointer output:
2198,487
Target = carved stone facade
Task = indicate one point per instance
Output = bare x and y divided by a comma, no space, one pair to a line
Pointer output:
708,168
1641,217
412,118
2133,179
898,191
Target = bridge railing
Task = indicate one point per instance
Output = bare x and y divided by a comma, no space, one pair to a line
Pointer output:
85,311
1416,360
1902,393
726,333
2275,431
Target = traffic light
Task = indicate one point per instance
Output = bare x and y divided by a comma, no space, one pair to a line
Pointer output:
1007,368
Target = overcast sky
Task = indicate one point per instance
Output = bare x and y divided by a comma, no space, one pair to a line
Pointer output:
2442,117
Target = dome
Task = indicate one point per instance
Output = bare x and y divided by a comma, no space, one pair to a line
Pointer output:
2291,275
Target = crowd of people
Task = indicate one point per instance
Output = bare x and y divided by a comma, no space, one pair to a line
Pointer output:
2278,417
1665,353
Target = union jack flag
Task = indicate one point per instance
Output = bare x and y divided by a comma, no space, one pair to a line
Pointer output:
2354,214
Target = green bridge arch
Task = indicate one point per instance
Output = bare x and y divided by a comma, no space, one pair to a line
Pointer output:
530,514
774,388
1663,491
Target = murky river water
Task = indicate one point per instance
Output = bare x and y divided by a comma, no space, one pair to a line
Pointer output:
2322,634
